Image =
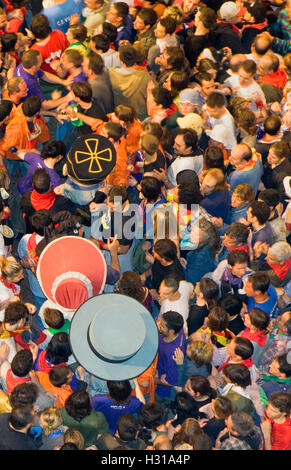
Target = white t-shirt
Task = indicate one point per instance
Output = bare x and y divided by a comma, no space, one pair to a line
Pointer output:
194,163
182,305
6,293
252,92
228,121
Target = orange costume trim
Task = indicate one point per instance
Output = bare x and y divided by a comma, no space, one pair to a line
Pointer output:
148,376
62,392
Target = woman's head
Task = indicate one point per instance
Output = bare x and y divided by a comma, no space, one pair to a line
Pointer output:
210,291
190,428
130,284
206,234
218,319
257,320
198,386
50,420
11,271
242,194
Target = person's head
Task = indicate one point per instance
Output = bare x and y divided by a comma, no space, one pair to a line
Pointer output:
187,193
93,64
119,391
40,220
279,406
8,42
130,284
50,420
113,131
165,251
22,363
17,89
40,26
232,304
100,43
94,4
236,61
262,44
74,436
54,149
284,323
237,374
188,100
41,181
236,235
185,142
127,427
215,104
277,153
213,157
117,198
176,82
239,154
206,235
238,262
209,290
53,318
189,429
272,125
124,114
117,13
246,73
222,407
21,417
78,405
69,446
60,376
151,415
25,393
172,58
207,17
258,213
239,424
218,319
162,96
145,20
162,442
11,271
271,197
150,189
200,353
58,349
108,29
169,287
257,284
77,33
71,59
31,60
165,27
278,253
213,181
242,194
281,367
209,66
240,349
15,315
127,55
236,103
82,92
206,82
246,120
198,386
171,323
31,106
268,64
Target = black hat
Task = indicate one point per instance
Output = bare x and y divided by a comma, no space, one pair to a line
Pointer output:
91,158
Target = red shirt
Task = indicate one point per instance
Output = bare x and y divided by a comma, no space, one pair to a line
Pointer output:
52,50
281,435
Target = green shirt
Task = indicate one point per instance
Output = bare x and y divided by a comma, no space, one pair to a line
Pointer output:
90,427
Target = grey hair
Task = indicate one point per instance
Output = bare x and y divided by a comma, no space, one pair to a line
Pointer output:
281,251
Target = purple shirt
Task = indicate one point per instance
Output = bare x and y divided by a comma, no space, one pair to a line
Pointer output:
112,411
82,77
167,365
32,81
35,163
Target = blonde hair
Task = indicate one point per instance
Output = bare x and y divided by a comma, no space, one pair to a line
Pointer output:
244,192
75,436
176,12
218,175
50,420
10,267
200,352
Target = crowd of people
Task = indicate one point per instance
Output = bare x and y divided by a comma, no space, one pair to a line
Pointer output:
189,101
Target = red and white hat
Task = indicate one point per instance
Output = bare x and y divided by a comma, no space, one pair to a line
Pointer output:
70,271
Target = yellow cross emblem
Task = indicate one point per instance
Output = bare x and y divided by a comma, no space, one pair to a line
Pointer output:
93,156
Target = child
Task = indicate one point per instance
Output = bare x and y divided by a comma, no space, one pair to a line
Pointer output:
57,381
277,425
77,36
279,378
18,371
56,323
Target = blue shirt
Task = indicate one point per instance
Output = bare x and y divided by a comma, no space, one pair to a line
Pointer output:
252,177
113,411
59,15
269,306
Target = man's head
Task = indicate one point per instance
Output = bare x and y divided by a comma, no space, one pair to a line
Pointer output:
236,62
258,213
40,26
60,376
213,180
242,194
236,236
206,82
21,417
93,64
112,131
229,12
185,142
15,315
284,323
117,13
165,27
32,60
246,73
71,59
239,424
241,153
76,33
31,106
257,284
94,4
149,144
41,181
207,17
150,189
127,427
239,349
168,287
5,110
215,105
262,44
279,406
272,125
237,374
145,20
281,367
117,198
238,262
53,318
82,92
172,58
171,324
278,253
188,101
127,55
22,363
269,63
17,89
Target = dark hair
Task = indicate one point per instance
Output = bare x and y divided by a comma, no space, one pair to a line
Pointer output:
189,193
284,365
82,90
30,58
101,42
96,63
150,187
173,320
130,284
153,128
110,30
125,113
190,137
223,407
58,349
259,281
200,384
53,149
210,291
281,401
272,124
187,176
127,54
176,57
258,11
127,427
239,232
31,106
70,446
119,391
215,100
207,17
243,347
15,311
238,374
40,26
280,149
78,405
179,81
162,96
270,196
41,181
8,41
151,415
184,406
22,363
118,191
202,442
259,319
237,256
169,24
23,394
218,320
148,16
214,157
122,9
115,130
261,50
79,32
166,249
172,280
5,109
249,66
74,57
59,375
21,416
53,318
204,76
232,303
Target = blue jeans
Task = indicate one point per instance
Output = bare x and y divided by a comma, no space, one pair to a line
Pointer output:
12,166
80,194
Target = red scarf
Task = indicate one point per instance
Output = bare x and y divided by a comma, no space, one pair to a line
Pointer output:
31,247
43,365
243,248
10,285
258,337
247,362
42,201
281,269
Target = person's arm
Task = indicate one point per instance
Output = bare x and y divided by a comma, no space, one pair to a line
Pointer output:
113,247
51,78
90,121
266,428
138,392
